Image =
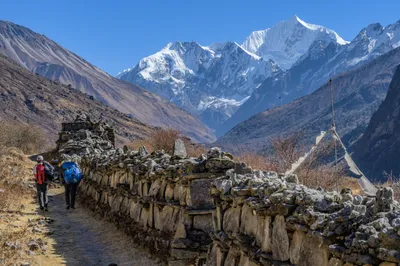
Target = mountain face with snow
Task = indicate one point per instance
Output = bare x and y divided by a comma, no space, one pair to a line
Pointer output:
288,40
213,81
45,57
208,81
314,68
358,93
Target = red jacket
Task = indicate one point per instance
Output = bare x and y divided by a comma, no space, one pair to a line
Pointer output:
39,172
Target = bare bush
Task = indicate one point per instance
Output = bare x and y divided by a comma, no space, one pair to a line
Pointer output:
194,149
285,151
30,139
316,171
164,139
135,145
325,176
257,161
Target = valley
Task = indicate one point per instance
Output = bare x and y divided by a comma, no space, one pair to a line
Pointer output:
221,144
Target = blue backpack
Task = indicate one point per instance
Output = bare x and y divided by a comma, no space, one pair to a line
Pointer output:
72,173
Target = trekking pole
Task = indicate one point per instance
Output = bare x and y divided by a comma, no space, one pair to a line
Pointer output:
333,135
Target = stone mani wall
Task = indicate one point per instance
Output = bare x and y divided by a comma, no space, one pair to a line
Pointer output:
266,219
212,210
163,202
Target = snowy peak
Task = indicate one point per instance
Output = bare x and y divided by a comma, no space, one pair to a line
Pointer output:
183,47
231,47
214,81
288,40
374,29
374,40
255,40
198,78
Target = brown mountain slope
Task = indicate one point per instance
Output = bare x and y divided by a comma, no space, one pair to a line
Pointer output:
378,150
32,99
41,55
357,95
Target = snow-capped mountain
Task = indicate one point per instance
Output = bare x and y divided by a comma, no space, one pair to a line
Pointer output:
209,81
371,42
214,81
314,68
288,40
357,95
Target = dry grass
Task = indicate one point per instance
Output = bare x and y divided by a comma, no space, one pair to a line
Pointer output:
14,236
164,139
13,245
29,139
11,196
256,161
316,171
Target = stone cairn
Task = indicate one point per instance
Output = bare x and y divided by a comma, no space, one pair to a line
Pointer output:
83,136
215,211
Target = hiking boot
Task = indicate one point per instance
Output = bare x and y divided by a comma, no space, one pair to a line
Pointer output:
73,207
41,208
67,207
46,209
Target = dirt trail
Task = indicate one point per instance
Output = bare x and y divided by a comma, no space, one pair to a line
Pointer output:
59,237
81,239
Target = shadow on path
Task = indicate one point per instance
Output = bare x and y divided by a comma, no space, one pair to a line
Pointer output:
82,239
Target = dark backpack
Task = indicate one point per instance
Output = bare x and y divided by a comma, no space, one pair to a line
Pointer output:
48,172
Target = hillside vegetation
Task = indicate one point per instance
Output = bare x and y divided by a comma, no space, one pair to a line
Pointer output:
30,99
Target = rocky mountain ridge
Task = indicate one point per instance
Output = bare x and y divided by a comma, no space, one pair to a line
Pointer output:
378,150
322,61
35,100
219,77
45,57
213,81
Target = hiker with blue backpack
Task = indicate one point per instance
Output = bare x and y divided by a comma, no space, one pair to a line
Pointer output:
72,175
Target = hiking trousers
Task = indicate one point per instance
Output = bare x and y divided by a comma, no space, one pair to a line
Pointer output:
70,193
42,195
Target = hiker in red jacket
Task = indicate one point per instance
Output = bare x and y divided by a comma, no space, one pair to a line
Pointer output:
41,182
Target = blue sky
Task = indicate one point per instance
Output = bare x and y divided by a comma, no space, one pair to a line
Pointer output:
115,35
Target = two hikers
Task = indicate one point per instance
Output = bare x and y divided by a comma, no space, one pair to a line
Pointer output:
43,172
71,175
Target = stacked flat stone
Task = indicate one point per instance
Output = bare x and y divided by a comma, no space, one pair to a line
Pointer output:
83,136
163,201
263,218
